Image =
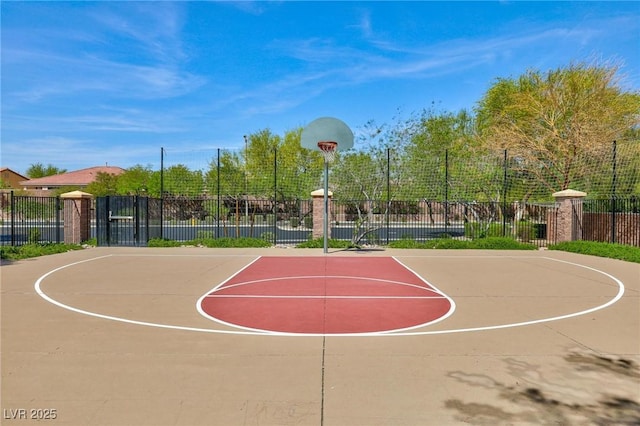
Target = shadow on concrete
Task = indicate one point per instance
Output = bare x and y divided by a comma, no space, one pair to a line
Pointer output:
591,394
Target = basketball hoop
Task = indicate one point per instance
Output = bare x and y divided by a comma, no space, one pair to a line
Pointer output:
328,150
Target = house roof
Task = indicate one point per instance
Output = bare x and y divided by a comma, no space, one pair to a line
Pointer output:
10,179
8,170
76,178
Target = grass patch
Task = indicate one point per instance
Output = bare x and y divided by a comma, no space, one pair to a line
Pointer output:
211,242
319,243
490,243
35,250
163,242
593,248
226,242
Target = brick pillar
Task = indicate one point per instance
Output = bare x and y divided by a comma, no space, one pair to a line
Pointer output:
318,213
568,223
77,220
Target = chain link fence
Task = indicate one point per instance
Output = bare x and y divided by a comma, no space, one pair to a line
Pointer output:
386,174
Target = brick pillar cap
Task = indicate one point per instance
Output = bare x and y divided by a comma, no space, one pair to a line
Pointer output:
320,193
76,194
569,193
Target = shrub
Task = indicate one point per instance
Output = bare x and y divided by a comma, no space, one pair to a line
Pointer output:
525,231
448,243
319,243
492,243
224,242
593,248
163,242
204,234
227,242
501,243
35,250
34,236
406,243
483,230
91,242
269,237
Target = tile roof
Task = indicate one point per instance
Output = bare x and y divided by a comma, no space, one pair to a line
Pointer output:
76,178
8,170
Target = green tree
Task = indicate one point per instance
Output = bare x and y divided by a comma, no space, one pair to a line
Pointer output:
38,170
258,159
299,170
139,180
180,180
444,159
104,184
551,121
226,177
360,179
229,172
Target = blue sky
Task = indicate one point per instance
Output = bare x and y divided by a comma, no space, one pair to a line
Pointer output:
89,83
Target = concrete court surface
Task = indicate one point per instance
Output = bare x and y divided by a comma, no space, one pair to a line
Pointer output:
537,337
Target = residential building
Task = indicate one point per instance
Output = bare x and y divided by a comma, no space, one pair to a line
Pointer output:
79,178
10,179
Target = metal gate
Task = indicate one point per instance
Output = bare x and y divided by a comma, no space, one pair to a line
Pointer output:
127,220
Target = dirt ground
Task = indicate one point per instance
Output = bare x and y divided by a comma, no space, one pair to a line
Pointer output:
112,336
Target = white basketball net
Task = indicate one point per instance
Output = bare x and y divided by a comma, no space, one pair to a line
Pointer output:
328,150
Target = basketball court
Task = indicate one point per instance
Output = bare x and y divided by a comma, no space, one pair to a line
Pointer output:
196,336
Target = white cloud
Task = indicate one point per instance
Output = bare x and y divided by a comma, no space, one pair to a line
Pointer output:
69,153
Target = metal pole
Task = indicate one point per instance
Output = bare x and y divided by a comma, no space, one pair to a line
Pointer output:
58,239
161,192
136,220
107,222
446,191
218,195
13,220
388,189
504,196
325,221
613,194
275,195
246,182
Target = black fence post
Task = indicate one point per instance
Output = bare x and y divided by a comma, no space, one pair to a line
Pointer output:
107,220
58,220
136,221
13,220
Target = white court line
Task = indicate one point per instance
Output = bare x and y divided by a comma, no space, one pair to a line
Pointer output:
429,288
42,294
262,296
49,299
222,287
306,277
539,321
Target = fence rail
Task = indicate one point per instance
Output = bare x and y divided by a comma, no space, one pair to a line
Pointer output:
382,222
28,219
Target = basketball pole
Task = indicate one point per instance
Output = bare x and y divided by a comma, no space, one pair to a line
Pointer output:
325,134
325,216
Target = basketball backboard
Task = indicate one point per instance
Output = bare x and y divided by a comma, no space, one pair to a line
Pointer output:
327,129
